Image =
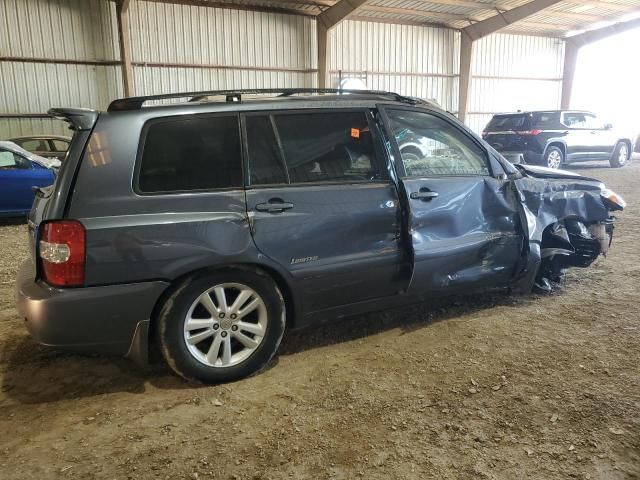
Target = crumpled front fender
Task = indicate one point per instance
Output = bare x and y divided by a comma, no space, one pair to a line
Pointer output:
544,202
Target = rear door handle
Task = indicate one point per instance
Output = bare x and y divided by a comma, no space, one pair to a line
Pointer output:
274,207
428,195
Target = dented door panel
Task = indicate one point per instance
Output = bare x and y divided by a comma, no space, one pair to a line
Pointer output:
467,237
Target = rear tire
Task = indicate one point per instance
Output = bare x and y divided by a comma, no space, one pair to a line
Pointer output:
221,326
553,158
620,155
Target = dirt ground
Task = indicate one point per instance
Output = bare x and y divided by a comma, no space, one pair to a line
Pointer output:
490,386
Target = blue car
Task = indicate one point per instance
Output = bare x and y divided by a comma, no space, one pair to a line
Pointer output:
20,172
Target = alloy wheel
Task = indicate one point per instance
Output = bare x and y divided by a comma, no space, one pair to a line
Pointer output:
623,154
225,325
554,159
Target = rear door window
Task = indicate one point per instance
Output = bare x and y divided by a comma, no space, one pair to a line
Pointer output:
574,120
193,153
311,147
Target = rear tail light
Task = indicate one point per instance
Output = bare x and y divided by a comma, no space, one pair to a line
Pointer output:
529,132
62,253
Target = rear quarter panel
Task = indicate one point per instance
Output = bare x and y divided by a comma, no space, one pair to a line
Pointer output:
132,237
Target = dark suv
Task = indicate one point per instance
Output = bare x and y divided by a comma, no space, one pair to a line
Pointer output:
207,227
553,138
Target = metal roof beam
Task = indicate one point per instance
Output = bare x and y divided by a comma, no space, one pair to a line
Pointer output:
591,36
481,29
420,13
504,19
338,12
124,43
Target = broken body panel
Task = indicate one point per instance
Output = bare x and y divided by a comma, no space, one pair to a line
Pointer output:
551,202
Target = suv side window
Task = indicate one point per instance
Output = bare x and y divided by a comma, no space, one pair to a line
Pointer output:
193,153
311,147
574,119
430,146
544,120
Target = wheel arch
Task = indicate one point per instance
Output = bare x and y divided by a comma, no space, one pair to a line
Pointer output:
563,219
558,144
285,288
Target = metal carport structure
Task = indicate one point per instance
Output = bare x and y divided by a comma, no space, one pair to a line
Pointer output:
472,56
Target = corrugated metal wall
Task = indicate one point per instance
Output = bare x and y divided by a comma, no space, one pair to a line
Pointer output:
65,52
44,31
412,60
174,48
186,48
514,72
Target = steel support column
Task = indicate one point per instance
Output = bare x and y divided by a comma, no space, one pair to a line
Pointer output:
122,13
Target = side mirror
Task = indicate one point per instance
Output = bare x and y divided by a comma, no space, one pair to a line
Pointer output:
608,126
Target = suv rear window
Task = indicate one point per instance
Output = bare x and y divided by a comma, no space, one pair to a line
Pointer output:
195,153
507,122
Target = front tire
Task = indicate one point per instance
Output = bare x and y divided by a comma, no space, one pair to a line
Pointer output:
620,155
221,326
553,158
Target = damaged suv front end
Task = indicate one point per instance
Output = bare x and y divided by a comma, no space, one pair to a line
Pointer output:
567,222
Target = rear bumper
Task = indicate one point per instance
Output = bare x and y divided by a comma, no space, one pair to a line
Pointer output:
93,319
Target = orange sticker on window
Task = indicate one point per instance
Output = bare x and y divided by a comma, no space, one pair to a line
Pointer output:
355,133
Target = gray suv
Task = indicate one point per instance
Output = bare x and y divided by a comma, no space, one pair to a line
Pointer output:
207,227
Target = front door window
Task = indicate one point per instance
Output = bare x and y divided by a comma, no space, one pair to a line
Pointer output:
430,146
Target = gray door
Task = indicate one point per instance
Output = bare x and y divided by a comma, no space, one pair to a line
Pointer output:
463,221
602,138
321,204
581,138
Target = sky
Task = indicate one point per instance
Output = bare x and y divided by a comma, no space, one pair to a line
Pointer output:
607,80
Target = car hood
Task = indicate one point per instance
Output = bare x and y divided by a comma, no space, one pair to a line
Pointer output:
550,173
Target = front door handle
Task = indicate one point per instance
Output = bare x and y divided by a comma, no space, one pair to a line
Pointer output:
426,196
274,207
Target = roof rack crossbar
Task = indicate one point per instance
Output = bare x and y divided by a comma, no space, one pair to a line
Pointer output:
135,103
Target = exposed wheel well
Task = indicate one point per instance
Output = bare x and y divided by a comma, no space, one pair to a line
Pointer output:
274,275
